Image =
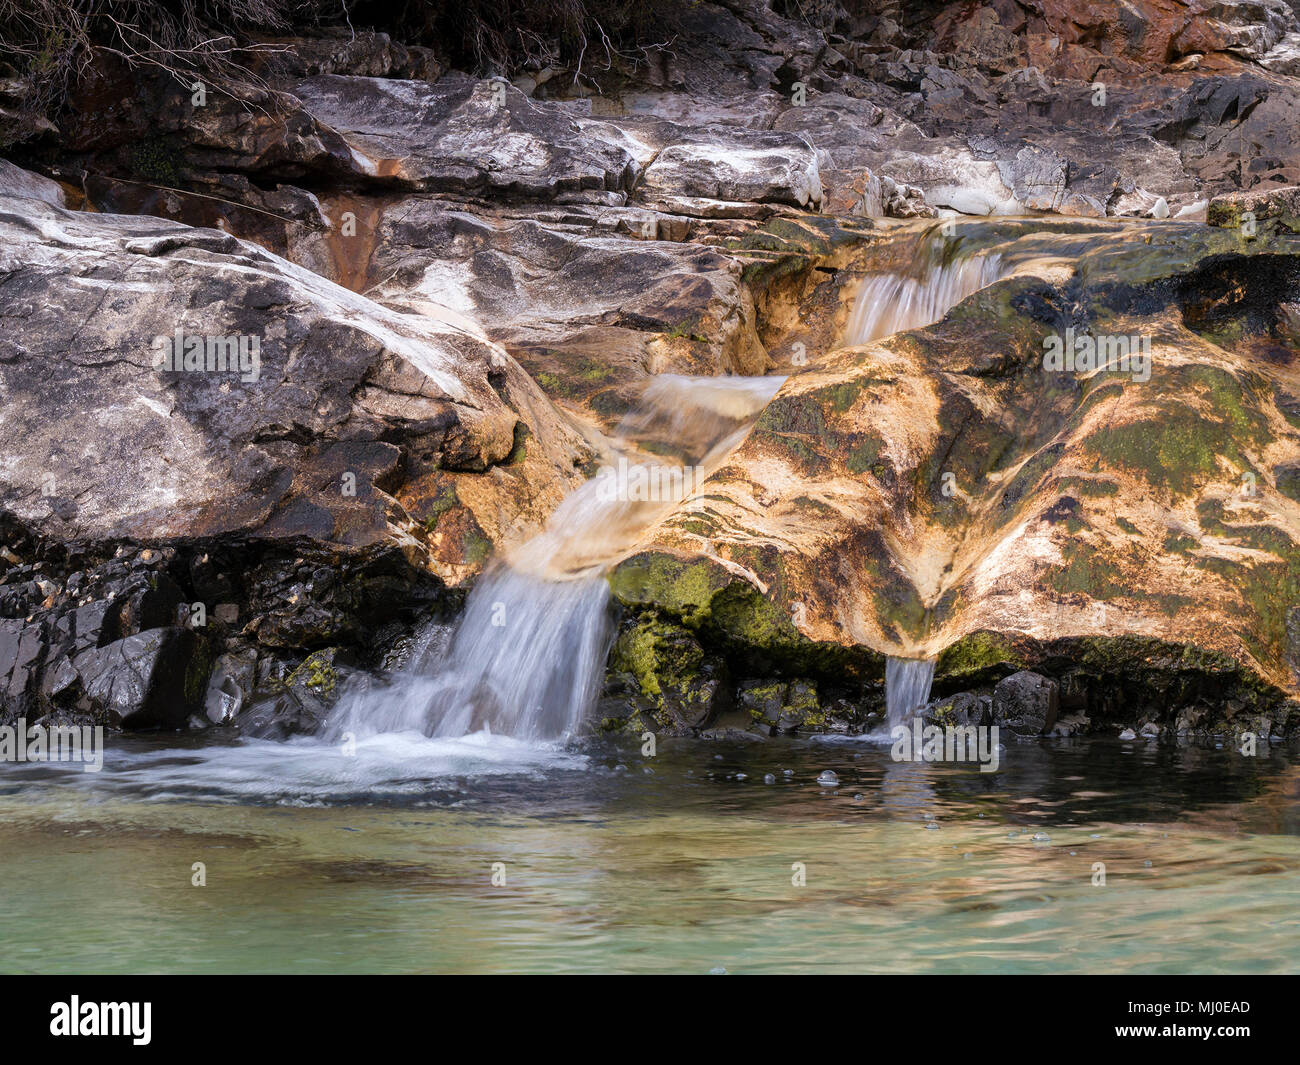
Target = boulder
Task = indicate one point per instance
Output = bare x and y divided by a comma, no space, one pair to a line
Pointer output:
463,135
964,708
908,494
1026,704
316,398
1278,206
751,168
152,680
297,704
782,707
686,690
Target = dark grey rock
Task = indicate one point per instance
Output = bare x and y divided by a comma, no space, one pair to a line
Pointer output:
964,708
155,679
1026,703
298,704
781,707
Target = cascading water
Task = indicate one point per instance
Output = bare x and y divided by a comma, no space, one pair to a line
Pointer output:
527,656
907,687
892,303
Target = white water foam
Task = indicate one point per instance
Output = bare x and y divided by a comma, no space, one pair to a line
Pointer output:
308,771
527,656
907,687
892,303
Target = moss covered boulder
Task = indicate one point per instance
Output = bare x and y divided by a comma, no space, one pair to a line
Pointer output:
965,491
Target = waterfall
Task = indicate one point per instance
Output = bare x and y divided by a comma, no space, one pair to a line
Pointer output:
892,303
907,687
527,656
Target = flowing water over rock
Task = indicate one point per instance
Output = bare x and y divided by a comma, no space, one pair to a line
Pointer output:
527,655
907,686
888,304
458,284
891,303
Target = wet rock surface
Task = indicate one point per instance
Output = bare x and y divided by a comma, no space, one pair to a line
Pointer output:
1026,703
1087,505
459,284
196,634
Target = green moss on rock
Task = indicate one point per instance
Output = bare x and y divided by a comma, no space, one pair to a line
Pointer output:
979,656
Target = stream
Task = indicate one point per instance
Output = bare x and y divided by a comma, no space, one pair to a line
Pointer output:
608,860
460,815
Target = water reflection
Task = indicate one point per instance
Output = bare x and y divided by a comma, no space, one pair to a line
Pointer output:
682,862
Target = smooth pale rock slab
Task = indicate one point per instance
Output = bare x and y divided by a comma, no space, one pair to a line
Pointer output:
100,444
1037,177
1283,57
460,134
952,177
761,167
753,110
1248,28
23,184
585,305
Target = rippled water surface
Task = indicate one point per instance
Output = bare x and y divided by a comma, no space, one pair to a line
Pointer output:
382,861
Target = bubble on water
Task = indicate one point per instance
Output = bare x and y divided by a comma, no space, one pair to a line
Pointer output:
932,826
647,771
717,758
768,778
787,772
966,855
1147,863
742,776
857,796
828,779
1073,853
928,817
718,970
1041,837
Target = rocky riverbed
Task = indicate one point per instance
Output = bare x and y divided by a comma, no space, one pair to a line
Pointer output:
433,295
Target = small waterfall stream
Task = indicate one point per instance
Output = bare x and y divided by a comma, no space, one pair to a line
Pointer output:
907,687
892,303
526,657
